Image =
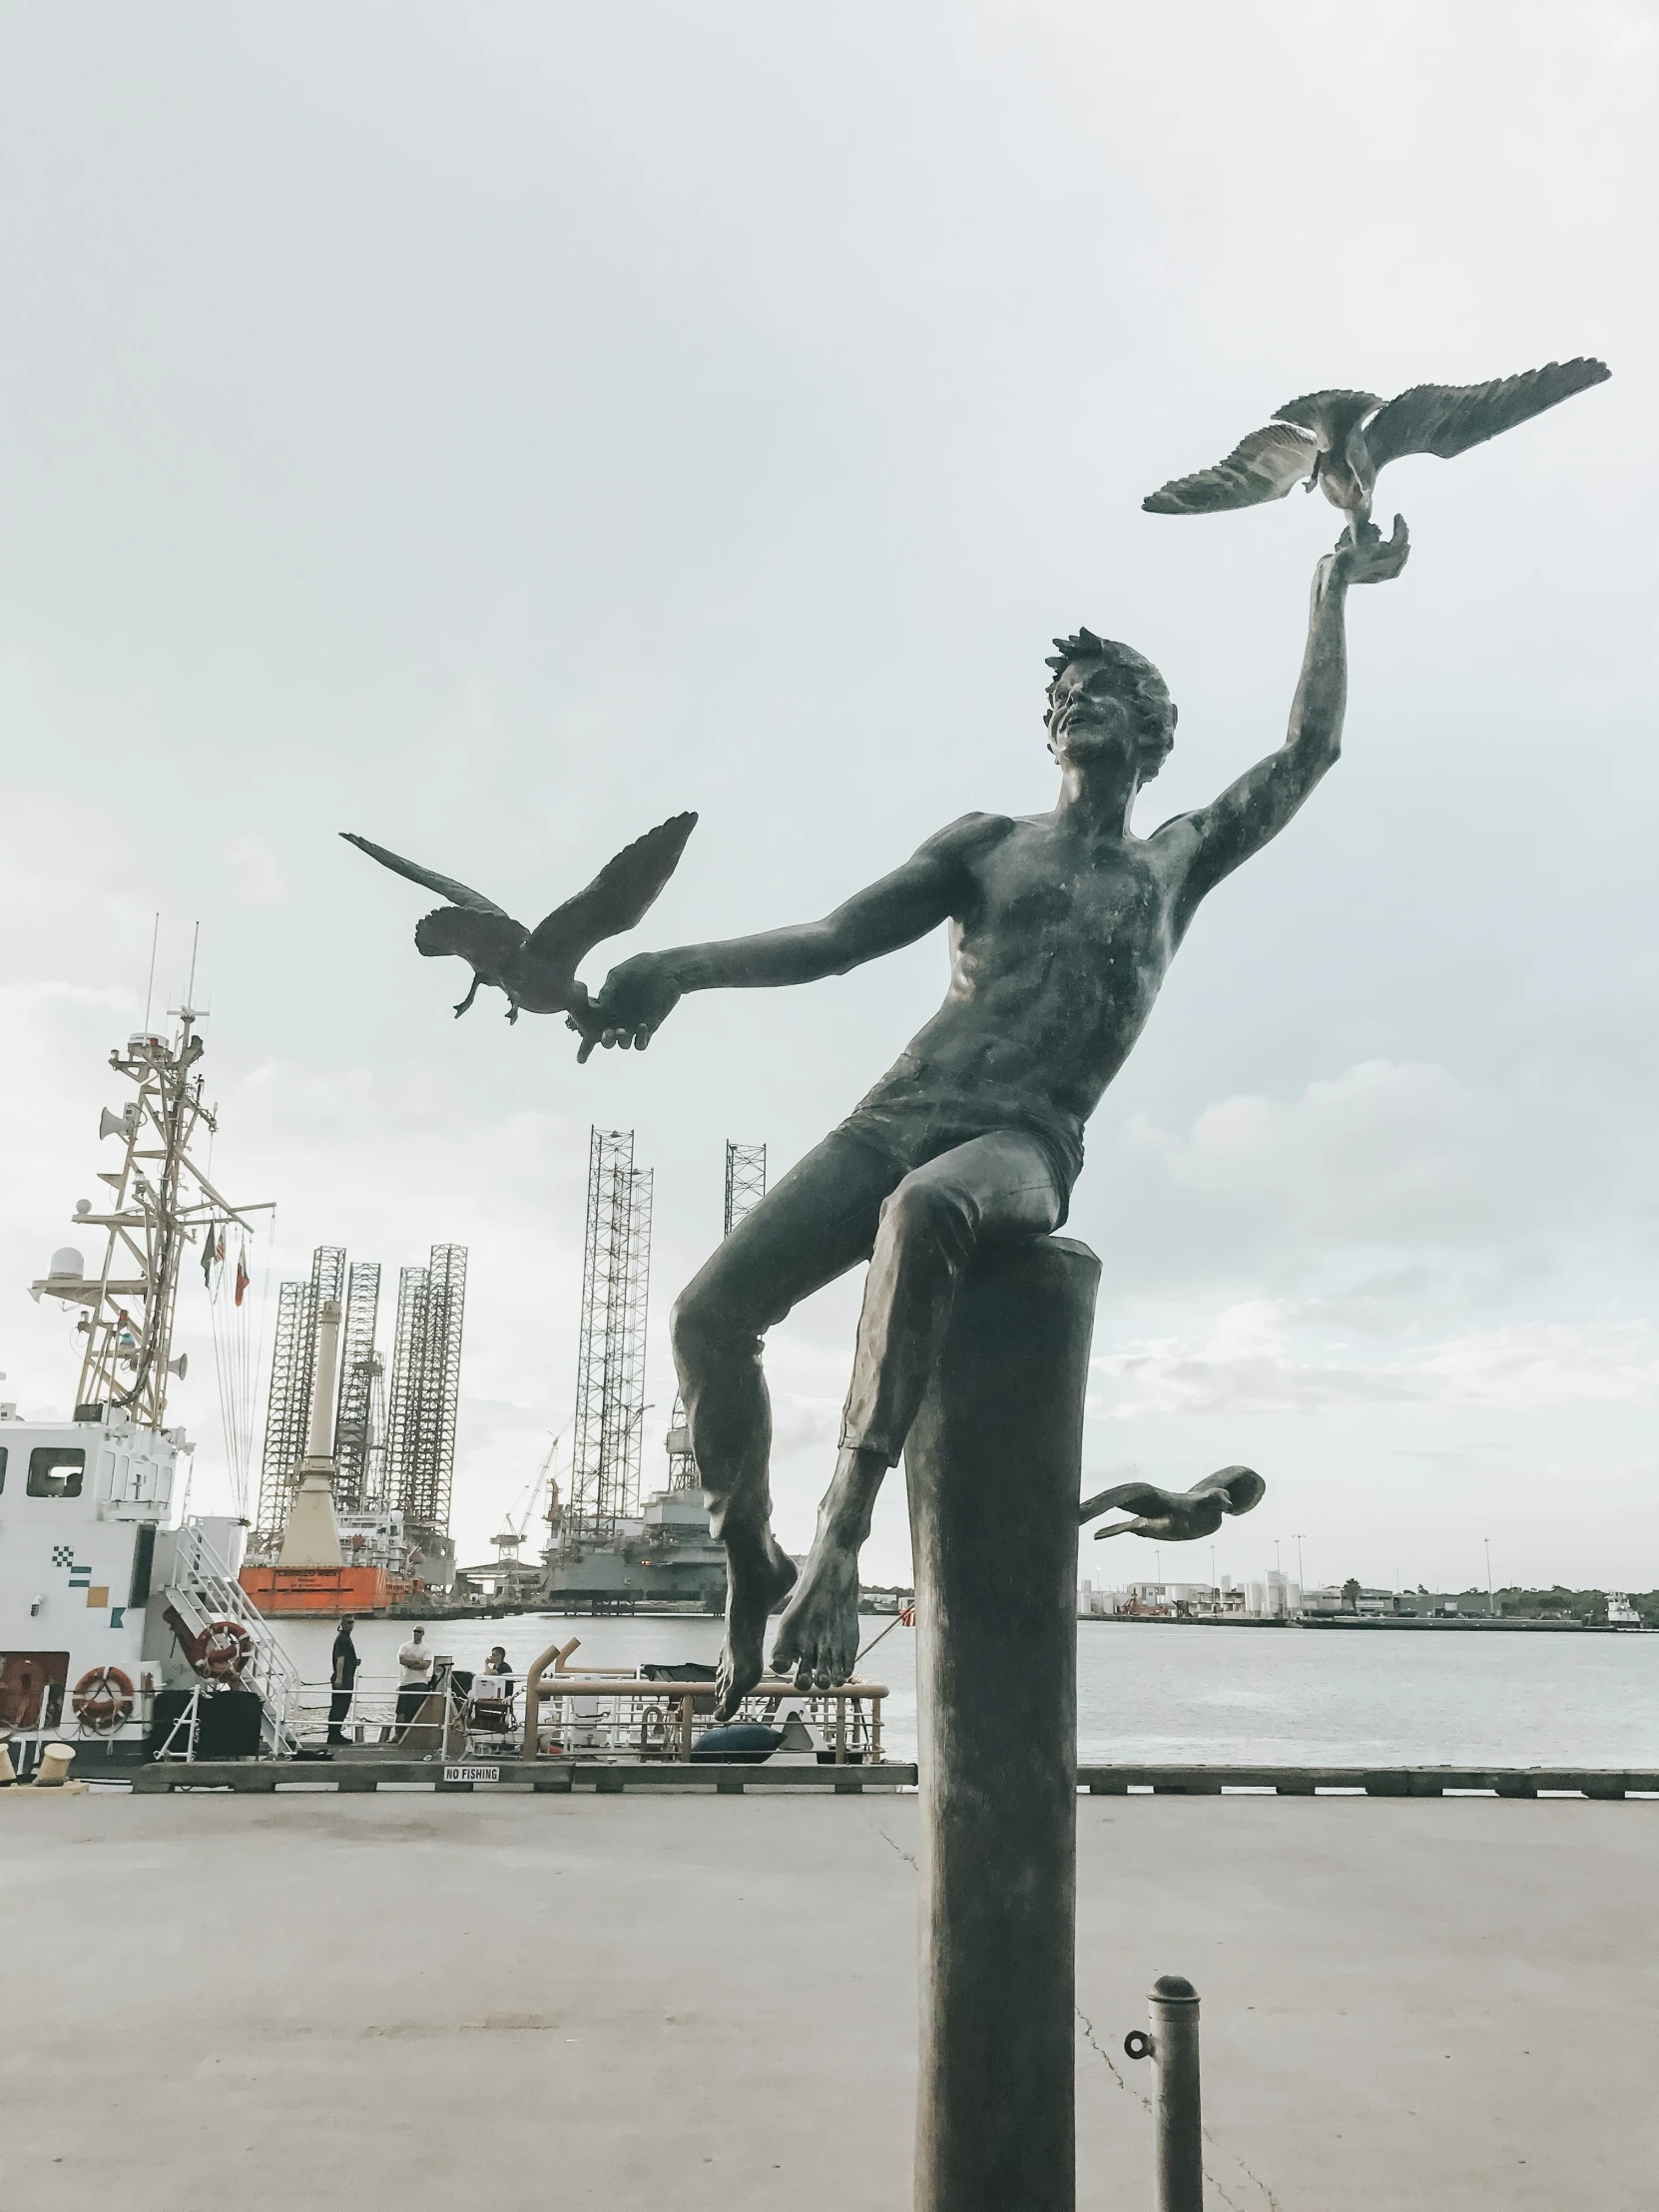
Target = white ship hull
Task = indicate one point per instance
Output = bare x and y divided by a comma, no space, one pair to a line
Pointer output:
86,1512
97,1579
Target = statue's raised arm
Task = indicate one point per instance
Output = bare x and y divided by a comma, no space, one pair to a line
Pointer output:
1215,840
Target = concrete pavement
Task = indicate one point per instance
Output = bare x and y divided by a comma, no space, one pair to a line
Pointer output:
687,2001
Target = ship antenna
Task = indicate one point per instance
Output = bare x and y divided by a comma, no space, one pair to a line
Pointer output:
150,987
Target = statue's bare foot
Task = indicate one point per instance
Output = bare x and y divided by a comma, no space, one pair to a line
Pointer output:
758,1574
817,1638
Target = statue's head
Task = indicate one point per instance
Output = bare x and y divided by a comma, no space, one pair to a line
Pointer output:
1106,699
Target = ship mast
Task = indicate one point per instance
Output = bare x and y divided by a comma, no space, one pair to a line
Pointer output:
162,1198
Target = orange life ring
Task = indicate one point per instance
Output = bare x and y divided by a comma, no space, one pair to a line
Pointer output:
102,1699
227,1648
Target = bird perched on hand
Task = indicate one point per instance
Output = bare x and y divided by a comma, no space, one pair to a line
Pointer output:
537,967
1177,1516
1339,440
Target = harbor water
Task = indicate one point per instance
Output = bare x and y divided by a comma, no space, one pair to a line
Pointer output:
1152,1692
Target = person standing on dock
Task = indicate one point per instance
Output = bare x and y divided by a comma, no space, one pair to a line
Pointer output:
342,1676
414,1671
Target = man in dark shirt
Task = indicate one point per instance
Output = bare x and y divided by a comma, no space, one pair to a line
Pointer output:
341,1676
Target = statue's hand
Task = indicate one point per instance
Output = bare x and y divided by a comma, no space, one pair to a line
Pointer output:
637,999
1370,558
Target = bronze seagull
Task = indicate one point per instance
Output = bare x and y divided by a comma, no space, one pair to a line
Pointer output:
1177,1516
1339,440
537,967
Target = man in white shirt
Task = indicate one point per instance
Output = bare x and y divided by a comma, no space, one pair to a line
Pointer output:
414,1675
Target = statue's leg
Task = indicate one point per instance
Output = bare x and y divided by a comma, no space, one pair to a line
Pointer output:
989,1190
810,1226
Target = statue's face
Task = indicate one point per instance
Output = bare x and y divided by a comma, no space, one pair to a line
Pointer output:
1090,722
1095,720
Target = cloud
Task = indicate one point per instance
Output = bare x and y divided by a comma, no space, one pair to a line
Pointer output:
256,878
1387,1158
1256,1357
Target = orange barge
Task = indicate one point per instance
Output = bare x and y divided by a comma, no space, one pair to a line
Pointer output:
360,1591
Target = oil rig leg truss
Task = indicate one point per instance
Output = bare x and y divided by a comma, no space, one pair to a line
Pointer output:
425,1393
610,1368
746,1186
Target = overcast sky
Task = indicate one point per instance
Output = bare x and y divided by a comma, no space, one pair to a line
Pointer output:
494,429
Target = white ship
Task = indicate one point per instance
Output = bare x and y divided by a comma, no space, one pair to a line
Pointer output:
121,1620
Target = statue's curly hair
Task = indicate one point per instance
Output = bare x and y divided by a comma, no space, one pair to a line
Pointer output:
1142,688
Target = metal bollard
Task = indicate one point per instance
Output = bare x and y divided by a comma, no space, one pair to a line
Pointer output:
1173,2046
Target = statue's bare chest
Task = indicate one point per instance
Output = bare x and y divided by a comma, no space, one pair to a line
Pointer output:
1058,896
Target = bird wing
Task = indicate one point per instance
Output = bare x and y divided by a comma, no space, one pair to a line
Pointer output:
1243,1487
1447,419
1322,411
490,942
618,898
1134,1497
1265,465
446,886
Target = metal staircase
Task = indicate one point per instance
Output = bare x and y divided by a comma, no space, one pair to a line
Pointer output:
202,1592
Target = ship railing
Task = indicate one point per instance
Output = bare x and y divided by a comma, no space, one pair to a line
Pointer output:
578,1716
600,1717
383,1709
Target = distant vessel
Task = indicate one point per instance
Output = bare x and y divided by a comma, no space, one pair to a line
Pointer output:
663,1554
113,1610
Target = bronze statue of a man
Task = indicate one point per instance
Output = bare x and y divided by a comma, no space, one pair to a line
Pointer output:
1062,927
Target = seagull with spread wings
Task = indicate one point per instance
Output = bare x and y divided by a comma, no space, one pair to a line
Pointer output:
1339,440
537,967
1176,1516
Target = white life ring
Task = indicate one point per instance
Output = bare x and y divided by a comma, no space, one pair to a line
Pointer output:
102,1699
227,1648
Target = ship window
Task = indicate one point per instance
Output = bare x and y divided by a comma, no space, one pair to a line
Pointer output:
55,1470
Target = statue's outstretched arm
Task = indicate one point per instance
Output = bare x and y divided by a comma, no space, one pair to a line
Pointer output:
640,994
1255,808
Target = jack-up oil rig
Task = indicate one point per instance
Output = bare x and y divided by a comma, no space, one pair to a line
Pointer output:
608,1551
353,1510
